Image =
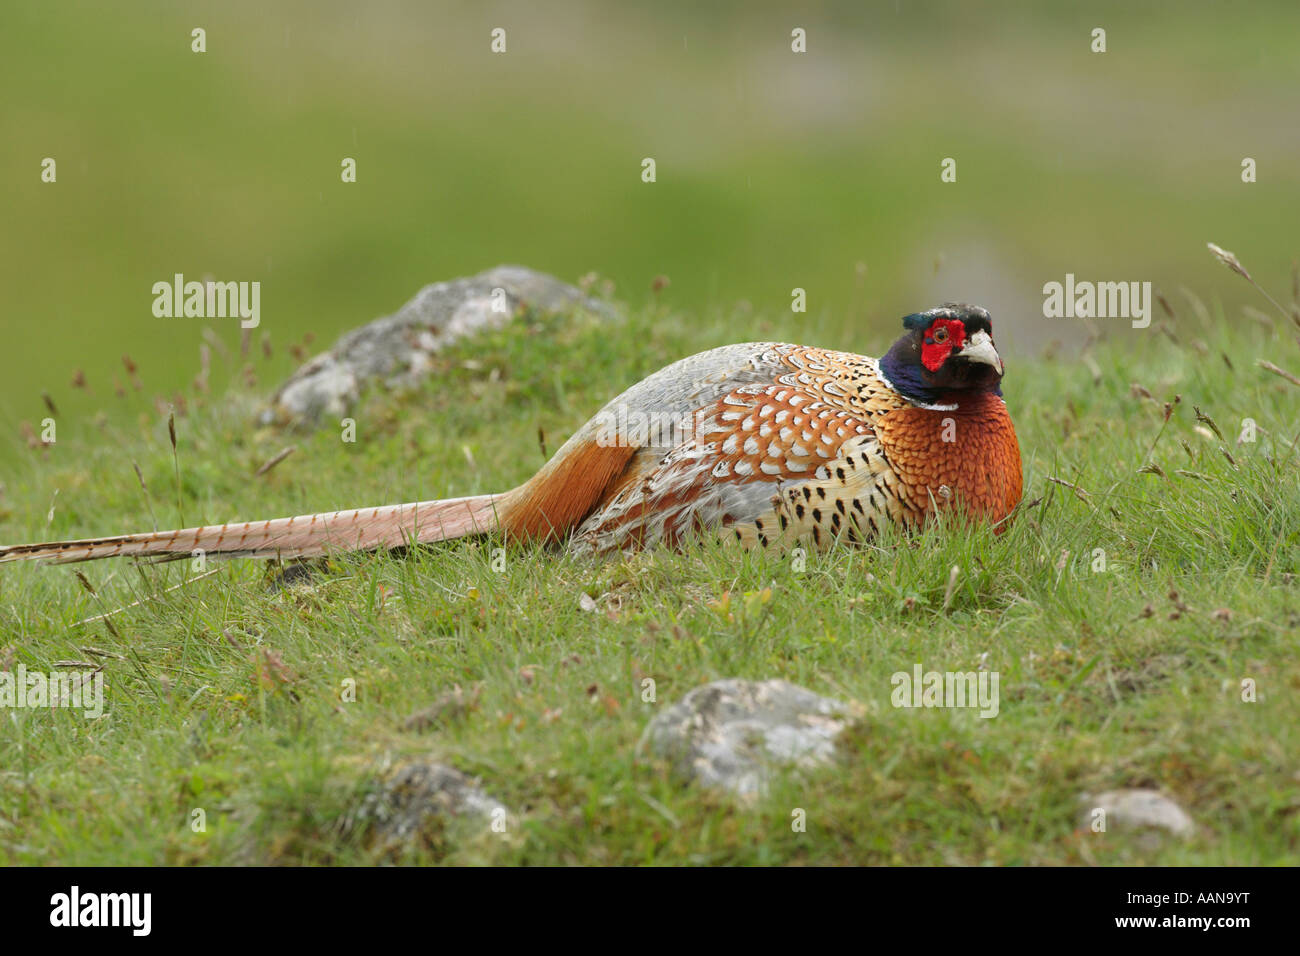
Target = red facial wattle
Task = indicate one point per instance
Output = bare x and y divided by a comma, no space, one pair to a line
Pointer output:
941,339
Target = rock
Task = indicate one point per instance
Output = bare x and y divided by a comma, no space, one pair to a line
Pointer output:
420,796
1137,810
397,349
730,734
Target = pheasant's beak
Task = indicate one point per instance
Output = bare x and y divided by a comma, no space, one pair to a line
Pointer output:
980,349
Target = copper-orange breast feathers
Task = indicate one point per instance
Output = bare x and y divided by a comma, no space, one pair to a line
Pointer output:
967,456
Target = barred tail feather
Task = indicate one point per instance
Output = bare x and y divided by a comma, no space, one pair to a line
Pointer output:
302,536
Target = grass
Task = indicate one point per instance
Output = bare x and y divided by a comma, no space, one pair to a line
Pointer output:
225,694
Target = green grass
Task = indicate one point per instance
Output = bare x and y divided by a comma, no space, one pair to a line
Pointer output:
225,694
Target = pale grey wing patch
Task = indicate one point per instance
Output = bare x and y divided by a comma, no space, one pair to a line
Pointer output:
660,411
720,505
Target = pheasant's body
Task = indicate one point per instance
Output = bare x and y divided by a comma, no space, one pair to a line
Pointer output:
784,443
767,444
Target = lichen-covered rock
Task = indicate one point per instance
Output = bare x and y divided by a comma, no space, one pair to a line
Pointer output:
1137,809
731,733
396,349
421,795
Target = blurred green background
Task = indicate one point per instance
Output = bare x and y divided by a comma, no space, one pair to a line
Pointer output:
775,170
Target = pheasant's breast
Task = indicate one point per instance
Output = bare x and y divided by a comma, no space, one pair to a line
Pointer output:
967,456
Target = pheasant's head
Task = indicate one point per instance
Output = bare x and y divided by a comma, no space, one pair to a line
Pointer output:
944,352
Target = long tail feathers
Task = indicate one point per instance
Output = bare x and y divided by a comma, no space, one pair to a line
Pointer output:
546,508
302,536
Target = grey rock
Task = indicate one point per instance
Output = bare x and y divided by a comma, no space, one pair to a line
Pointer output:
422,794
730,734
396,349
1137,809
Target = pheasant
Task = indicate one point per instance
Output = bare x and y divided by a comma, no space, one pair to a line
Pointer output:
767,444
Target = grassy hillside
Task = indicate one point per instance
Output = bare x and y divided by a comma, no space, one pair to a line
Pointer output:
225,694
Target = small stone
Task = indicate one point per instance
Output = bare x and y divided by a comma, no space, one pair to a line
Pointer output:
730,734
420,796
1137,809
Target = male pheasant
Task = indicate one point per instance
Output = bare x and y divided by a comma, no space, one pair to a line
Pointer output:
767,444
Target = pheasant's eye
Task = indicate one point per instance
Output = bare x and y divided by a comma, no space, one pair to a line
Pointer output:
941,334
